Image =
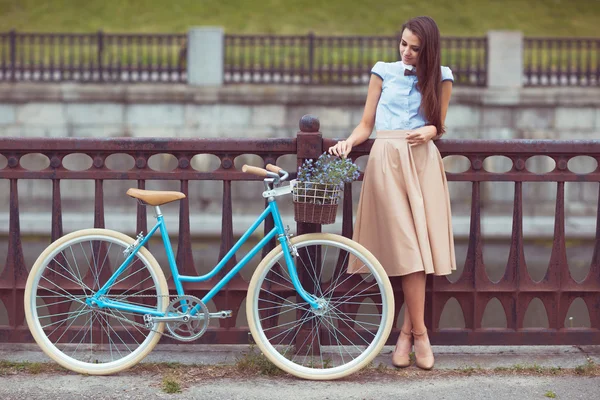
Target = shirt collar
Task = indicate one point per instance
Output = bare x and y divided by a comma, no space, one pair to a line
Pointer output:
408,67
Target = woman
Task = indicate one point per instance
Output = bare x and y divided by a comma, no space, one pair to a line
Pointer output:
404,208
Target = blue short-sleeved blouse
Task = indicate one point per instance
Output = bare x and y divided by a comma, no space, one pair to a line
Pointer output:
398,106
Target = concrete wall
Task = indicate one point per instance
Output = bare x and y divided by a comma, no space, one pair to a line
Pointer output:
68,110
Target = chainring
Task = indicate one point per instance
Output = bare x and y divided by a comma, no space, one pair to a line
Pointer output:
195,326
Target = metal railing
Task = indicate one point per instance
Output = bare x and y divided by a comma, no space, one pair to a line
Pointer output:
260,59
472,290
337,60
94,57
562,61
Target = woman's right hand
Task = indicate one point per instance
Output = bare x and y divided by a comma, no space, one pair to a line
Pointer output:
341,148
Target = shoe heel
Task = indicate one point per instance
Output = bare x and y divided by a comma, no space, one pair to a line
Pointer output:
401,360
426,362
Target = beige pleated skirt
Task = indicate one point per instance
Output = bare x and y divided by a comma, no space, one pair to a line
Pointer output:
404,215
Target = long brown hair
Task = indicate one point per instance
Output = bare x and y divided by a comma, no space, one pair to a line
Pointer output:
429,72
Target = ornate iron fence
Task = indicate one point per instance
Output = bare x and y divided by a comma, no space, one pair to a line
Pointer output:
562,61
337,60
473,290
260,59
93,57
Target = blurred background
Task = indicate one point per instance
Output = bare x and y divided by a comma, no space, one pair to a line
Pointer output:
334,17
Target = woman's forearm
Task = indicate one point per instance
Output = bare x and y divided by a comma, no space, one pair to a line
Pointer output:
360,134
429,130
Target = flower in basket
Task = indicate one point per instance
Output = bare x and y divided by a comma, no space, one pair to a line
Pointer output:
322,182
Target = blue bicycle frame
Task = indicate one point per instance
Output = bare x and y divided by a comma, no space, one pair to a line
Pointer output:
278,231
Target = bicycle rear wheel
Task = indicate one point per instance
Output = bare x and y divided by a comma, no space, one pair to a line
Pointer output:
85,338
332,342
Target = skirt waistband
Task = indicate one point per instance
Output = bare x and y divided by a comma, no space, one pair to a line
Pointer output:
395,134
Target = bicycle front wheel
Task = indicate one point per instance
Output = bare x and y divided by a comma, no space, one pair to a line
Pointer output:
82,337
339,338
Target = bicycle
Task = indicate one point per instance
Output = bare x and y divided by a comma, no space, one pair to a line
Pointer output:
94,319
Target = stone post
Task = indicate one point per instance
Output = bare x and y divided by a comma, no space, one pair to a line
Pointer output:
205,56
505,59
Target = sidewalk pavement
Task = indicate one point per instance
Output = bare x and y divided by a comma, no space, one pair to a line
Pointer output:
413,385
446,357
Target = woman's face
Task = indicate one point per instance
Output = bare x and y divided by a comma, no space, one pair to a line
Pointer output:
410,46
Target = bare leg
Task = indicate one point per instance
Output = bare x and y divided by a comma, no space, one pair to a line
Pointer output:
404,342
407,323
413,286
401,354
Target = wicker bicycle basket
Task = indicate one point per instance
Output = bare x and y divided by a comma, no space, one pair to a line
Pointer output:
315,203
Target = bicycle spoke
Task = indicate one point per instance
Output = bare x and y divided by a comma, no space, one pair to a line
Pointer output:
316,285
353,296
55,303
67,328
68,295
102,267
88,329
77,278
83,285
67,278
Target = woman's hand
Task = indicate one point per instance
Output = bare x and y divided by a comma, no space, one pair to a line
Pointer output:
341,148
421,135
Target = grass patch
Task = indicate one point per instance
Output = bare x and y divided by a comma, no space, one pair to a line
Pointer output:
171,385
255,361
468,17
590,368
34,368
469,370
381,368
550,394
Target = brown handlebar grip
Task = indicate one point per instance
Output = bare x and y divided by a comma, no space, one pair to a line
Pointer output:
273,168
254,170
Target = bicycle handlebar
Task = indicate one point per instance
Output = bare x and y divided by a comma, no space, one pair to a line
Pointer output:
275,173
273,168
255,171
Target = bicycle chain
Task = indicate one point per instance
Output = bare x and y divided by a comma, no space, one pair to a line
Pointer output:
169,296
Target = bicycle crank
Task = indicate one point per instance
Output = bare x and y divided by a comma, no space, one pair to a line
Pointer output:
192,318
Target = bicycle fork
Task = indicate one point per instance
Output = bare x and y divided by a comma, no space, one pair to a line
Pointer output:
290,252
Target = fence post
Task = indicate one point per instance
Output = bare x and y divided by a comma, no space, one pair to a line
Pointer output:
505,59
205,56
100,40
311,56
13,55
309,144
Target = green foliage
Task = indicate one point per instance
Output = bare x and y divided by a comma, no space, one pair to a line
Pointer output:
467,17
171,385
321,182
589,368
328,170
256,362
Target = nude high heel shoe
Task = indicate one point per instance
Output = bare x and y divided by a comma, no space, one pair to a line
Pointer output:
401,360
423,361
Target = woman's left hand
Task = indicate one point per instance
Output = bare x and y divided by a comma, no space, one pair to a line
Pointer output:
417,137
